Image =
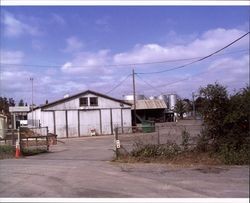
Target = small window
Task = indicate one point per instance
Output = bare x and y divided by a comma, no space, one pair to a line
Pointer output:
84,101
93,101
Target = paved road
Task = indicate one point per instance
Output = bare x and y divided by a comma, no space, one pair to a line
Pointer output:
81,167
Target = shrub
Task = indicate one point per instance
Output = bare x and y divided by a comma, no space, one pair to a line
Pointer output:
229,154
202,142
6,151
33,151
185,139
151,150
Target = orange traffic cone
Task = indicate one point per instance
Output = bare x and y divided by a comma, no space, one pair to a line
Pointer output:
18,153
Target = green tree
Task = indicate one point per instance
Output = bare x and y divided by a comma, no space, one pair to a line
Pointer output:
188,105
11,102
21,103
180,108
4,105
237,121
215,106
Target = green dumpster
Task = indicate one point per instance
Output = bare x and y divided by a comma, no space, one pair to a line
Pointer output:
148,126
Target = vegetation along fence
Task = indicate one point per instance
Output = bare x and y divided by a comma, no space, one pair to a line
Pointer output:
128,139
29,138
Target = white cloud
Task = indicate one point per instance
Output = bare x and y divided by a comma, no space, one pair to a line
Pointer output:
58,19
14,27
37,45
228,71
87,62
73,44
70,87
103,24
207,43
11,57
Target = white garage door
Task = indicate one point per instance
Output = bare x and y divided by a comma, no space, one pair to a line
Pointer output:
89,120
60,123
72,123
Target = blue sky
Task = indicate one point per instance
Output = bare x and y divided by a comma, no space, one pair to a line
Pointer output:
66,49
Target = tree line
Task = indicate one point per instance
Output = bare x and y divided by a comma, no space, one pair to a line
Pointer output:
226,121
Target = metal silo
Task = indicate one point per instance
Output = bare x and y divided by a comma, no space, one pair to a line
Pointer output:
164,98
152,97
172,98
130,97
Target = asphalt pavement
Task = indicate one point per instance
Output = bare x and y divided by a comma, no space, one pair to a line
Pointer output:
82,167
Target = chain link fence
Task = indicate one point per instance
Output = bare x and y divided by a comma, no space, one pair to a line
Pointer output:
127,139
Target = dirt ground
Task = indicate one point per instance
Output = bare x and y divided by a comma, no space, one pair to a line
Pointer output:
82,167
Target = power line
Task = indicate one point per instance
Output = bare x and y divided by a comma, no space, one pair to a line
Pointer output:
118,65
119,84
148,84
203,58
171,83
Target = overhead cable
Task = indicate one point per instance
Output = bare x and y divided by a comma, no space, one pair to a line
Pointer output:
119,84
201,59
149,84
117,65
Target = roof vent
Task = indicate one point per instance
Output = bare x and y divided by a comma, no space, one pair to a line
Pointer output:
66,96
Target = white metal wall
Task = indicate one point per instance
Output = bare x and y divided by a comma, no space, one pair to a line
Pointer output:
106,128
74,104
47,120
72,123
89,120
60,121
116,118
89,117
126,114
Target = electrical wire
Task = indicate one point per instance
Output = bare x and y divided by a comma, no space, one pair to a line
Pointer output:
119,84
118,65
149,84
203,58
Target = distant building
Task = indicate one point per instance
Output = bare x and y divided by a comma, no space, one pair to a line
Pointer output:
3,125
152,110
19,116
82,114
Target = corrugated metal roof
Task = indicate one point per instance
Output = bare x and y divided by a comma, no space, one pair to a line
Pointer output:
150,104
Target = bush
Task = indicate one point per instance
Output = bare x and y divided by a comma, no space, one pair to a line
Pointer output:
6,151
226,120
185,139
202,142
33,151
151,151
229,154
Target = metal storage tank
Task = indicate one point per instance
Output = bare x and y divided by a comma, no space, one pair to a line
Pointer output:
172,98
164,98
130,97
152,97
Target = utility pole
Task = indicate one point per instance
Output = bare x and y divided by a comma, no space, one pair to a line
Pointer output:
193,106
133,73
32,101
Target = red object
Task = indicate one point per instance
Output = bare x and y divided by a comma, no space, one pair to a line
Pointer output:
18,153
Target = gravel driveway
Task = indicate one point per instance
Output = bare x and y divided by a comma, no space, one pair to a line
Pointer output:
81,167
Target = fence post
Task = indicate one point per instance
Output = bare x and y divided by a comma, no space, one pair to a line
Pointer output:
116,138
18,136
13,137
158,135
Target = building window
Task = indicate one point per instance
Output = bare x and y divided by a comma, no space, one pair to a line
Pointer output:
93,101
83,101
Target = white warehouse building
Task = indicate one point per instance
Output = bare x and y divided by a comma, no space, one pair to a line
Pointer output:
82,113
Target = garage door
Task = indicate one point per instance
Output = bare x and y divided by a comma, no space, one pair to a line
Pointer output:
72,123
60,123
89,119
